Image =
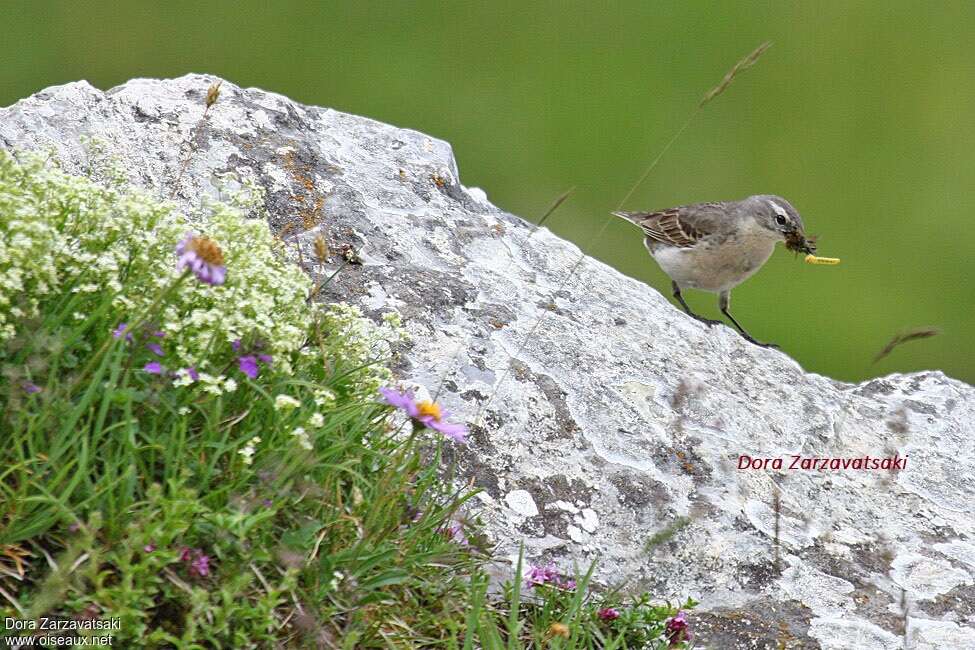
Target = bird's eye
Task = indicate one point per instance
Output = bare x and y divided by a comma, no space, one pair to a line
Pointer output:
779,219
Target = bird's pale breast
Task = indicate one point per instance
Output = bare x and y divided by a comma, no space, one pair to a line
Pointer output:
714,265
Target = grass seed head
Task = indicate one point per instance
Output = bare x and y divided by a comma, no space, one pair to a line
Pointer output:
904,337
213,93
738,68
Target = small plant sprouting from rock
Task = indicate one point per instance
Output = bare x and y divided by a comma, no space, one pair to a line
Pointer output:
666,534
213,94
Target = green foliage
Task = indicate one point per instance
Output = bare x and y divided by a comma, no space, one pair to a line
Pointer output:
569,617
219,472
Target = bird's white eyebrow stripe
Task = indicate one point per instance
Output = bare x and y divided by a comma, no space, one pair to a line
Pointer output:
779,210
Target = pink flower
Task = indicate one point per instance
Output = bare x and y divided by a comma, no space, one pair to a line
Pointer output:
608,614
149,548
202,256
678,629
548,575
199,561
425,413
455,533
201,565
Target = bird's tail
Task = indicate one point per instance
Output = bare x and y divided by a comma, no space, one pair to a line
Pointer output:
632,217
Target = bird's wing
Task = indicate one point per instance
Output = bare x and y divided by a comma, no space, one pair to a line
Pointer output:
682,226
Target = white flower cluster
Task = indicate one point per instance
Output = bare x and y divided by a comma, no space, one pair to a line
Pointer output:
285,403
247,451
367,342
302,437
66,237
63,234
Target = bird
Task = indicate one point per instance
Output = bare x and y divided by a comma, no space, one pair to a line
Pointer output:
718,245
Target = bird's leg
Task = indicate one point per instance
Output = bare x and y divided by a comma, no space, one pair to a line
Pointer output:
724,301
680,299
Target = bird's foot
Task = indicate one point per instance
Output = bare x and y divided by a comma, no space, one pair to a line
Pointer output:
707,321
759,343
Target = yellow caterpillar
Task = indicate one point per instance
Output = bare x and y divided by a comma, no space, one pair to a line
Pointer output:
812,259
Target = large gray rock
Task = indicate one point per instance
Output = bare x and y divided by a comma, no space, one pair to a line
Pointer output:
602,415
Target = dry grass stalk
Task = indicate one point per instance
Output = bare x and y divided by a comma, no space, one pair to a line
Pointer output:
321,249
777,508
904,337
905,613
738,68
552,208
213,94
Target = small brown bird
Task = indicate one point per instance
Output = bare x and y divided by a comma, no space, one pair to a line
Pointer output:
717,246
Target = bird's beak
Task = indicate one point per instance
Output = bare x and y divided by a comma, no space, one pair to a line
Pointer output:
797,241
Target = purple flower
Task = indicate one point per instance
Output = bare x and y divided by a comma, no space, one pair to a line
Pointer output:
201,565
267,503
30,388
454,431
235,344
155,347
202,256
608,614
548,575
121,330
677,629
455,533
191,371
199,561
159,334
540,575
426,413
266,358
153,368
248,366
403,401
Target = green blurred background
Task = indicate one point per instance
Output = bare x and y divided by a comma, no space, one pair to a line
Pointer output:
861,114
